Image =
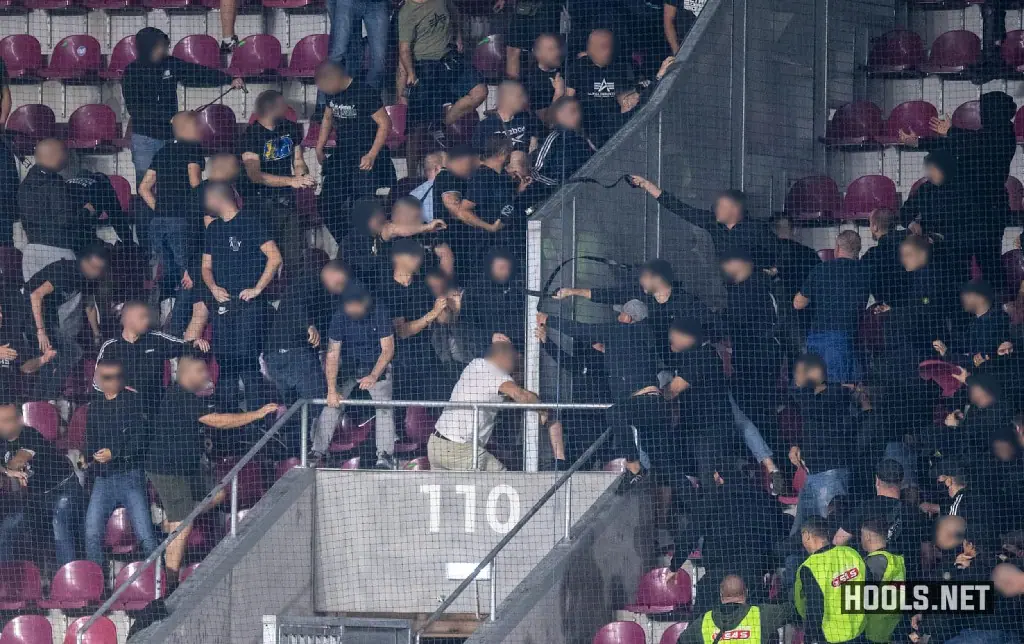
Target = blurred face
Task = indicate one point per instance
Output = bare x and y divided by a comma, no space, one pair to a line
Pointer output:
727,211
934,174
277,109
406,214
437,284
1004,451
805,375
569,116
505,361
949,534
912,258
10,421
783,228
501,270
136,319
462,166
109,378
810,544
330,82
647,281
93,267
334,280
972,302
512,98
980,396
357,309
737,270
160,52
1008,580
869,541
224,167
680,341
193,375
186,129
548,52
407,263
599,48
377,222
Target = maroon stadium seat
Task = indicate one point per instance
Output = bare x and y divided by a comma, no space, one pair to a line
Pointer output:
43,417
941,373
110,5
672,633
23,56
20,585
256,56
51,5
350,464
200,49
620,633
313,133
74,58
123,190
953,52
286,466
218,128
813,198
75,438
1013,269
854,124
912,117
250,480
122,54
937,4
397,113
141,592
307,54
655,594
869,193
206,532
419,425
187,571
171,4
968,116
489,57
27,629
75,585
350,434
94,128
30,124
102,631
1015,192
417,464
1018,125
1012,49
292,4
896,53
119,537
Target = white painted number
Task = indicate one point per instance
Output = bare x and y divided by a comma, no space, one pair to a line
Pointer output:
502,527
470,493
435,505
499,519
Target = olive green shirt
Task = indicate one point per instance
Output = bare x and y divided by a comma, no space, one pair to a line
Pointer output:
428,26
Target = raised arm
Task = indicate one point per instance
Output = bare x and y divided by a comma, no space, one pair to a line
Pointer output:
696,216
234,421
406,329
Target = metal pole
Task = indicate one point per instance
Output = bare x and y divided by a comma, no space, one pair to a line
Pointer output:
494,590
476,437
568,509
304,441
234,505
158,575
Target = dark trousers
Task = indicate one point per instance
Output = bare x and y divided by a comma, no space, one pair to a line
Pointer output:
344,183
286,228
236,343
167,236
56,512
641,428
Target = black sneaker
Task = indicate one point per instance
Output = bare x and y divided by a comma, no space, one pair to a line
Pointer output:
314,458
631,481
228,45
777,485
386,461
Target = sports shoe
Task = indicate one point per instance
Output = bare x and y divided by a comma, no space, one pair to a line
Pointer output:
385,461
228,45
630,480
777,485
314,458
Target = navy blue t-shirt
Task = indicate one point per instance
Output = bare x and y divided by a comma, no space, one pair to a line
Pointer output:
234,247
360,339
838,291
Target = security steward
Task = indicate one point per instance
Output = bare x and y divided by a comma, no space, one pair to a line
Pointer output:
818,593
882,567
735,619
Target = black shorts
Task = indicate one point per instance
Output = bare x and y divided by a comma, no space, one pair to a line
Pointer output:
441,82
531,19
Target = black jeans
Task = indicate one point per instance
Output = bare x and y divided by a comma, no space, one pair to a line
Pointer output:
641,428
344,183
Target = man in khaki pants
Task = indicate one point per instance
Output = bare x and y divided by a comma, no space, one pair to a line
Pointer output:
483,380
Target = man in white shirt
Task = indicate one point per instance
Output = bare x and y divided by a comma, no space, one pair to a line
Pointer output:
432,164
483,380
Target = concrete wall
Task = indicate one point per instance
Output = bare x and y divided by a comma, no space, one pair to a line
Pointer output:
579,585
385,540
265,570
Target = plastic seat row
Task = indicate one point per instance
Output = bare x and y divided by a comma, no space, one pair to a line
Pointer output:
818,198
36,629
75,585
860,124
633,633
901,54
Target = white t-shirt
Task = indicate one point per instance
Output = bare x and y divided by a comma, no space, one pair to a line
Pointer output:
479,382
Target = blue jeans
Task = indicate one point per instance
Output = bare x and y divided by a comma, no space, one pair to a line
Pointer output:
108,491
144,148
167,240
60,508
817,493
751,434
836,349
346,16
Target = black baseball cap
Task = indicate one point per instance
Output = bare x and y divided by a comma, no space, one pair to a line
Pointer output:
354,293
979,287
660,268
688,326
736,252
889,471
461,151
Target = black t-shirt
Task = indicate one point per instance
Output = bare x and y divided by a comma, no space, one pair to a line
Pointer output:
906,528
176,443
596,88
5,79
67,281
352,111
47,468
446,182
838,290
234,247
276,150
410,303
519,130
360,339
175,196
537,83
706,401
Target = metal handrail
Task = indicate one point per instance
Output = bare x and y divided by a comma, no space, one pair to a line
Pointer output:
488,560
230,478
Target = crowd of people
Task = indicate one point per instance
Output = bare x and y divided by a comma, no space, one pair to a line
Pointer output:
809,373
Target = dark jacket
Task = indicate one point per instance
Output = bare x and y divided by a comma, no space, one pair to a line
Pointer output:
938,208
151,89
119,425
749,235
794,262
883,263
631,356
492,307
561,154
48,212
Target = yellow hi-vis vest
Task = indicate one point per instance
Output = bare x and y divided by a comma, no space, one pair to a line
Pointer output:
879,627
748,630
832,568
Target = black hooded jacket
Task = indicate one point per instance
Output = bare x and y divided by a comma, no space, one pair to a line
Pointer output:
151,89
49,212
937,207
490,306
983,157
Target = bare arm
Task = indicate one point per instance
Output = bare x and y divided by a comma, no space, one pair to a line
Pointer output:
676,387
387,354
195,175
5,105
517,393
465,214
446,258
233,421
404,329
207,271
273,256
668,19
841,537
146,187
405,60
331,364
326,125
392,230
92,313
383,121
37,297
251,161
196,325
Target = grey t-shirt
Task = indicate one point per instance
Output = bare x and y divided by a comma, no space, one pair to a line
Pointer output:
427,25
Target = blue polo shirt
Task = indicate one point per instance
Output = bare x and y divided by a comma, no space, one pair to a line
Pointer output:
360,339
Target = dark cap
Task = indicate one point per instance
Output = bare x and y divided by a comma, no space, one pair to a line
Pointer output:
952,467
660,268
736,252
979,287
889,471
355,292
688,326
988,382
460,152
406,246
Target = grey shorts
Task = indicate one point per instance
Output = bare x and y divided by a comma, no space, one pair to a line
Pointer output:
179,495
